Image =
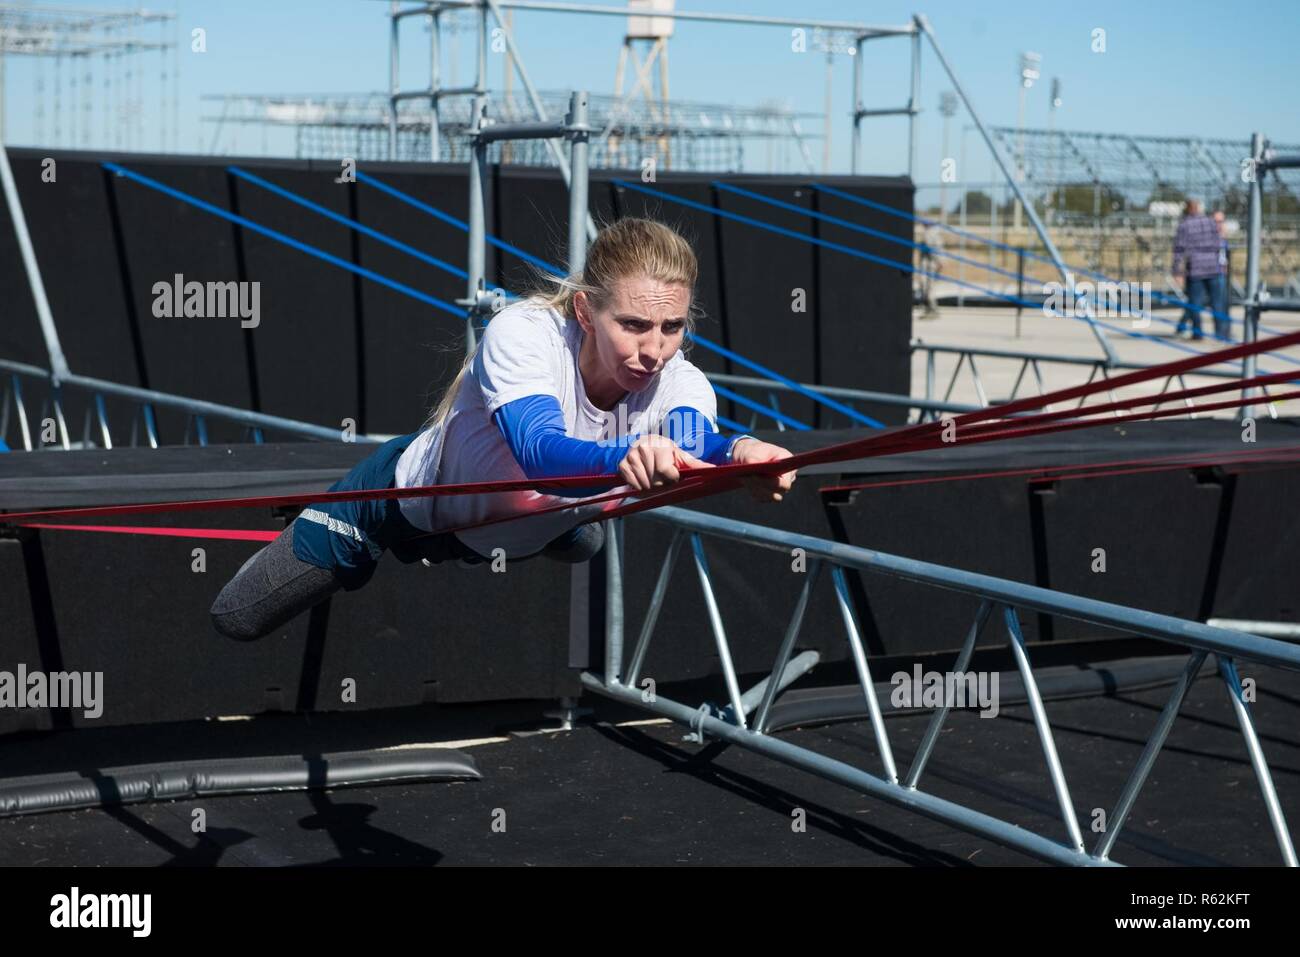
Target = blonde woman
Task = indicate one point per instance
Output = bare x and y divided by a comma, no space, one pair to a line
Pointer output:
586,378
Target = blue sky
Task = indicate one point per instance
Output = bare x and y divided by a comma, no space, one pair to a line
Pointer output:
1170,68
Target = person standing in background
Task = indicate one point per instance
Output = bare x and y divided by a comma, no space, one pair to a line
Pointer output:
1196,261
1222,318
931,248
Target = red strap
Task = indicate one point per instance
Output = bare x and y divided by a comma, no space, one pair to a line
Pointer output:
698,482
1049,473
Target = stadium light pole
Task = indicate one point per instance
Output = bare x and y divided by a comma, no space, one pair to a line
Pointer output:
1029,72
948,109
1051,137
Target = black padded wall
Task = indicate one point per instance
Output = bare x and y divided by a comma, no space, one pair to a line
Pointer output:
410,349
860,345
531,211
73,223
764,272
304,351
162,238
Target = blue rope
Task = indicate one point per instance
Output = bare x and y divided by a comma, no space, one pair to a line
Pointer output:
963,259
351,223
751,404
343,263
458,223
859,228
282,238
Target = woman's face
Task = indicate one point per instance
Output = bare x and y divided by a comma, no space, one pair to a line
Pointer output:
632,335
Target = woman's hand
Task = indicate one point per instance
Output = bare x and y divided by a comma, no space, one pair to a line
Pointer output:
764,488
654,461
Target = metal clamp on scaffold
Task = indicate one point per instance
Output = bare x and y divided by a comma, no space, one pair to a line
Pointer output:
484,304
482,133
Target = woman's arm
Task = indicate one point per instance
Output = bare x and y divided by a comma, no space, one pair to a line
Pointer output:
692,431
533,427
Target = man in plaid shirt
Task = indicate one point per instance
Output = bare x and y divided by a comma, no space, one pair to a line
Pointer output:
1196,260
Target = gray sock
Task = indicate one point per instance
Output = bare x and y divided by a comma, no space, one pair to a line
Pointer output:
269,589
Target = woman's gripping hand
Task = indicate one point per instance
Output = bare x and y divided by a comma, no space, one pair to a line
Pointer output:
764,488
654,461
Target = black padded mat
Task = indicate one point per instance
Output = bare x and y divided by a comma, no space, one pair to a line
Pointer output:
637,795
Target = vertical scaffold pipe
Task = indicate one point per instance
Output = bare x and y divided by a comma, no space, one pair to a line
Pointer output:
475,261
1254,230
435,85
394,47
58,364
578,177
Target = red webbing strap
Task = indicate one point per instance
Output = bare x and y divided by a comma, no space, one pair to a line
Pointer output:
1049,473
723,478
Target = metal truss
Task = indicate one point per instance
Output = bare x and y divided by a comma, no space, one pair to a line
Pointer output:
744,719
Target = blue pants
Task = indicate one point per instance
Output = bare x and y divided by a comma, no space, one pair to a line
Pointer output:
1222,321
350,537
1204,292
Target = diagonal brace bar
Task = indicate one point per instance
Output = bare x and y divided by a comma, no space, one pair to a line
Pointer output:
1044,728
787,645
1228,670
936,723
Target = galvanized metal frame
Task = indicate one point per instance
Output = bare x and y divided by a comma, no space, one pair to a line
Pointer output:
96,430
1262,159
850,397
998,597
49,331
574,128
1031,362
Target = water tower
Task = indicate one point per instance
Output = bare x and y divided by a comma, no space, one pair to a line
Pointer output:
644,46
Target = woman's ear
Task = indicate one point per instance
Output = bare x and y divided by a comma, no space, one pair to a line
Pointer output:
582,310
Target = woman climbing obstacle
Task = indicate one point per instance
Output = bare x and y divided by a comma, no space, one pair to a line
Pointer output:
586,378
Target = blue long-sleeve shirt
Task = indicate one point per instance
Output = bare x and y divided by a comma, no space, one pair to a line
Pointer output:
533,427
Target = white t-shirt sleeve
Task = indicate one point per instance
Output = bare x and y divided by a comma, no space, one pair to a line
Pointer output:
519,356
689,387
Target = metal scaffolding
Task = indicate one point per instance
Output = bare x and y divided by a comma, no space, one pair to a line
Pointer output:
95,65
1137,170
1113,201
698,136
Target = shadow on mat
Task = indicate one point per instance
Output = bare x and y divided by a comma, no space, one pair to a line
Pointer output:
357,841
833,823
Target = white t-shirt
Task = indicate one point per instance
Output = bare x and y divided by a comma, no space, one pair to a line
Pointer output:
528,348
